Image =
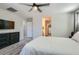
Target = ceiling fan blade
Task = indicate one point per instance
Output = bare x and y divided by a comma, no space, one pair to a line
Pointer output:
39,9
30,9
27,4
40,5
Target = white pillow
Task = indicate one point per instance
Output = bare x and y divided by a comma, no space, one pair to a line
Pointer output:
76,36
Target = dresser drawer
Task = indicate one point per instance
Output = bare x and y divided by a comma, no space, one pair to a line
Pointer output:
4,35
7,39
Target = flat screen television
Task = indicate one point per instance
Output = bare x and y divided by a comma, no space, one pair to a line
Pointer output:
5,24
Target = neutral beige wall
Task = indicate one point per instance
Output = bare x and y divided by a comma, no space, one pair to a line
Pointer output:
6,15
61,24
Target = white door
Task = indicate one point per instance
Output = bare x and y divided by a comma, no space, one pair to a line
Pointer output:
29,29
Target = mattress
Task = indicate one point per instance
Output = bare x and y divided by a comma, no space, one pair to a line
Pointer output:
51,46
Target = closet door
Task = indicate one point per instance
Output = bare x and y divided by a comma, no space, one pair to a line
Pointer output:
29,27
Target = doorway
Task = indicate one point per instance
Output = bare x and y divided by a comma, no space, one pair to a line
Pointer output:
28,28
46,26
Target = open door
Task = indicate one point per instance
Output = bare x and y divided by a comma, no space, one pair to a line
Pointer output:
46,26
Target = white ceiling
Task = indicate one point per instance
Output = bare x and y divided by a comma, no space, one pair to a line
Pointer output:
52,8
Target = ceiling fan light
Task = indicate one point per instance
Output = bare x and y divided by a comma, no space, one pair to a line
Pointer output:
35,8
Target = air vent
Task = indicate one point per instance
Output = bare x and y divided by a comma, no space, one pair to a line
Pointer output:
11,9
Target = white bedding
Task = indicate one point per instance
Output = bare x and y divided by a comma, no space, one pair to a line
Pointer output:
51,46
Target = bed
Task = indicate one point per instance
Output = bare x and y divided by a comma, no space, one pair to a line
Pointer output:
51,46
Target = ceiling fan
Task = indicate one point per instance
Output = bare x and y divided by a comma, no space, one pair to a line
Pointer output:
36,6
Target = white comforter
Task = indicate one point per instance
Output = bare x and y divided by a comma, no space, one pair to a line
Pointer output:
51,46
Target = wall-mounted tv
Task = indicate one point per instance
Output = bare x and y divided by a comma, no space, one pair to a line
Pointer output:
5,24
